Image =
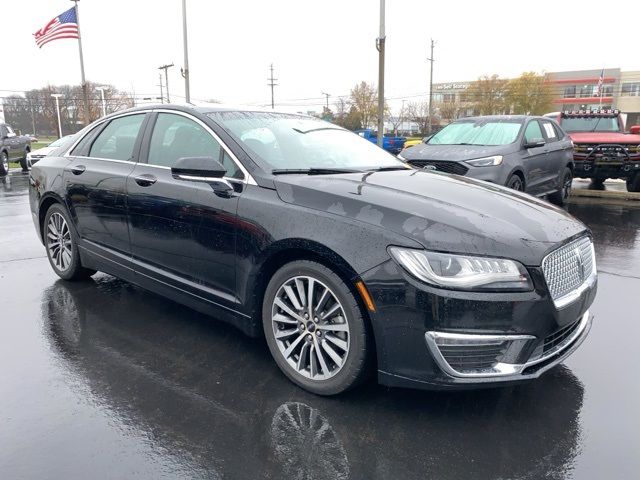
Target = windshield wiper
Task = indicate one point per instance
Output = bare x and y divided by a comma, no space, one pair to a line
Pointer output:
389,168
313,171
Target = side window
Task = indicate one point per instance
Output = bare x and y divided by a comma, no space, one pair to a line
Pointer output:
175,137
550,132
117,140
533,133
10,130
233,171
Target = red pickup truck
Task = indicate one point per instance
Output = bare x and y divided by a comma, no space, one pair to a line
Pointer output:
602,148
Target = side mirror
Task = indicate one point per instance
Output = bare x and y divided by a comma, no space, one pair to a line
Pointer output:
635,130
203,169
534,143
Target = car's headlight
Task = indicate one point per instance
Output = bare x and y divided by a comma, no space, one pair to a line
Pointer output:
486,161
463,272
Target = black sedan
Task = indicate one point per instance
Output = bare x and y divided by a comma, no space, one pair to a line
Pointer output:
341,256
525,153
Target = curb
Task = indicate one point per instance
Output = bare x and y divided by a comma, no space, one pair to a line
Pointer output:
610,194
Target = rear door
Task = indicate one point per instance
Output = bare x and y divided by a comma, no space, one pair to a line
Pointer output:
95,186
534,159
182,234
559,154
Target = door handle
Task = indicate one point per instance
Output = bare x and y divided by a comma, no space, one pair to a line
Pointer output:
145,180
78,169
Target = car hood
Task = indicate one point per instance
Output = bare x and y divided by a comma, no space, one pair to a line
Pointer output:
441,212
453,152
604,137
43,151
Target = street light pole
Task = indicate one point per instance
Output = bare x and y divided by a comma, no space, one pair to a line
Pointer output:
326,95
57,97
380,46
185,70
104,104
431,85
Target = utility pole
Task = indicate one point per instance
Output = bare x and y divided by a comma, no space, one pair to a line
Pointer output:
160,85
327,95
431,85
380,42
57,97
402,114
272,84
185,70
166,78
104,104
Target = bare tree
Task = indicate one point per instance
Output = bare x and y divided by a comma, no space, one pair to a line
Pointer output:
530,94
418,112
448,110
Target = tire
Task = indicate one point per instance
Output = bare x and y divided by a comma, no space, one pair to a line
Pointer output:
24,163
515,182
633,183
61,245
4,163
560,197
596,184
341,338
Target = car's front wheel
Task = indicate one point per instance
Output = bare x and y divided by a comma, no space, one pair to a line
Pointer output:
315,328
4,163
633,183
61,245
515,182
560,197
24,162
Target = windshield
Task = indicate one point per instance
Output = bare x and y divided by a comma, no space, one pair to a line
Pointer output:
478,132
60,141
591,124
287,141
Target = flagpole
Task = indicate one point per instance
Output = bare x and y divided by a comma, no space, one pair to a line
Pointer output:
85,93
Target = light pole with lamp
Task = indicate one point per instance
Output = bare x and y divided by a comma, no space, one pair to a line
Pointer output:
57,97
104,104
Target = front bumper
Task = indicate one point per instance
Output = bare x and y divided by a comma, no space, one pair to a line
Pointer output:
526,327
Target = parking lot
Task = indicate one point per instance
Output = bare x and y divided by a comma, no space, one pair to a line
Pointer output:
101,379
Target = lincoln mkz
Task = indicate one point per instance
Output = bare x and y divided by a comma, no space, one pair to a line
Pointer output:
345,259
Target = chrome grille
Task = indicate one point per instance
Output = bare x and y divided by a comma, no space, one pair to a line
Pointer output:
568,267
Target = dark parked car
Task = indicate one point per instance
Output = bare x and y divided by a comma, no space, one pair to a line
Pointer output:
529,154
13,147
339,254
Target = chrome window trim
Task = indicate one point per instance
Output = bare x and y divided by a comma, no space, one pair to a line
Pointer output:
504,371
248,179
229,179
95,125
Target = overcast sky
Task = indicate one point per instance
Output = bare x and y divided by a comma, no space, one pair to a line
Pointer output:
315,46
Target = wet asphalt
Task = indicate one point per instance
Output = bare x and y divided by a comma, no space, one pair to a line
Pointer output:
102,379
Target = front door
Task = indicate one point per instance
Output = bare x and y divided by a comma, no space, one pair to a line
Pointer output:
95,185
182,234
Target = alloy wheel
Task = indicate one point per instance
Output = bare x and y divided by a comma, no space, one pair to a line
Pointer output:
310,327
566,188
5,162
516,184
59,242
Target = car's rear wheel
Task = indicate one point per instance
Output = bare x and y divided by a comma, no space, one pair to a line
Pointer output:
314,328
633,183
4,163
61,245
560,197
515,182
24,162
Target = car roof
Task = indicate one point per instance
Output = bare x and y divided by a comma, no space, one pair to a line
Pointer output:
204,108
500,117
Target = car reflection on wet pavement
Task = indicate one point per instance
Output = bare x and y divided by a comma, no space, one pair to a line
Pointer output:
101,379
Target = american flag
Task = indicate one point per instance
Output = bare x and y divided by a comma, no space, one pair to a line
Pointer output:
600,82
64,25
